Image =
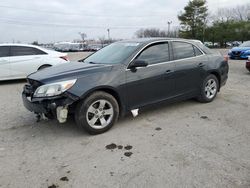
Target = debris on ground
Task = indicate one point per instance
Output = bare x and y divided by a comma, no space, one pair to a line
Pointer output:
111,146
128,147
158,129
53,186
120,147
64,178
128,154
204,117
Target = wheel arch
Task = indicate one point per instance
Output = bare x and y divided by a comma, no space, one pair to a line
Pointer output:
217,74
44,65
110,90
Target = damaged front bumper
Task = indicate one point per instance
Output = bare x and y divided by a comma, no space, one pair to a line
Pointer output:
52,107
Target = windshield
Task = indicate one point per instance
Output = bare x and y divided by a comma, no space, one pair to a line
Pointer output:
245,44
113,54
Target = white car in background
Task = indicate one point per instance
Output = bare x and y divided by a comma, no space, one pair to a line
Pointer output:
17,61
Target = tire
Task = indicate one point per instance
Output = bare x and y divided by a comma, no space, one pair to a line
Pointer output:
209,89
96,119
43,67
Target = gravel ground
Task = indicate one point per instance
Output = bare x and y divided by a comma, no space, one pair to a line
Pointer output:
186,144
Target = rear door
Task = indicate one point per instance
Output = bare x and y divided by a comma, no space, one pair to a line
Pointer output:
190,63
4,62
25,60
152,83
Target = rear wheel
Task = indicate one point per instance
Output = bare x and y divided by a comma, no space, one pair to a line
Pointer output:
209,89
97,113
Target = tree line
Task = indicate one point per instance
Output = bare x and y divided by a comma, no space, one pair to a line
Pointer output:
226,24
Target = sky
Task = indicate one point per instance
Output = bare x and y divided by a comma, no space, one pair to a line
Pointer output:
62,20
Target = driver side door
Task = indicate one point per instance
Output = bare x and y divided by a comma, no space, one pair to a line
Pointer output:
152,83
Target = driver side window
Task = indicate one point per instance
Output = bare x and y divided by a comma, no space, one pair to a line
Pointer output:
156,53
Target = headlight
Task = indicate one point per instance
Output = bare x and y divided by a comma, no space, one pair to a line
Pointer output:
230,51
54,89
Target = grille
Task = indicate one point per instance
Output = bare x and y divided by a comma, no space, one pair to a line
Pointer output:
237,53
31,86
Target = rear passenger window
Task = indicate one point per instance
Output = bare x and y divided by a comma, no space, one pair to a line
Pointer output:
4,51
197,51
23,51
183,50
156,53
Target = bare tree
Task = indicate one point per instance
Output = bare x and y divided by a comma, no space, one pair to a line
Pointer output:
239,13
223,15
83,35
150,32
242,13
102,40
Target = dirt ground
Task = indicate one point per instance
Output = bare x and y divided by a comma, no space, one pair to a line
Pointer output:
186,144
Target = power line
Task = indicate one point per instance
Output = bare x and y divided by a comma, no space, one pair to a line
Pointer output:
80,14
32,23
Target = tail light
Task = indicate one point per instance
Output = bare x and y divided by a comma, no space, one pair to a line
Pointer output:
65,58
226,58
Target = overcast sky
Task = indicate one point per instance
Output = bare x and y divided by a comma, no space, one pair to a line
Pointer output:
62,20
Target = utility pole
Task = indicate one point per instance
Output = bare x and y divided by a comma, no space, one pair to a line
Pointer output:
83,36
108,34
169,24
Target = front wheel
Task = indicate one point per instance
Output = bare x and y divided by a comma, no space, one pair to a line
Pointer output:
97,113
209,89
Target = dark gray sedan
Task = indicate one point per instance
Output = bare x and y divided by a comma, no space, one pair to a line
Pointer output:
125,76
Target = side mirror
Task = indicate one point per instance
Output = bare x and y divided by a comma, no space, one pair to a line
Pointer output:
137,63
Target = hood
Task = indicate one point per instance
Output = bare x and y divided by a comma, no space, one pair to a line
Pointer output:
68,71
240,48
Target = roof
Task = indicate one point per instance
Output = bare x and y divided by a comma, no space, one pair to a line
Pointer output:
18,44
29,45
149,40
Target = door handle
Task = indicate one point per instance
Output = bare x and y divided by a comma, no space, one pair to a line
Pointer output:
168,71
201,65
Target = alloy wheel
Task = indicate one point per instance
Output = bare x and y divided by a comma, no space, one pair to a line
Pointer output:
211,88
99,114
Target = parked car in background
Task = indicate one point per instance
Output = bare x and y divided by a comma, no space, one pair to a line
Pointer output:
67,47
19,60
229,44
212,45
236,43
94,47
248,64
216,45
125,76
241,52
208,44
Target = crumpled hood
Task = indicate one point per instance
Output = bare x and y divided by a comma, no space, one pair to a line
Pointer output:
69,70
240,49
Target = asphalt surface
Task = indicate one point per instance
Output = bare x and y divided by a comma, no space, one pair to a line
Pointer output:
186,144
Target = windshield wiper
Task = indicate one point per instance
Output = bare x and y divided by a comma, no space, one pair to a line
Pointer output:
91,62
81,60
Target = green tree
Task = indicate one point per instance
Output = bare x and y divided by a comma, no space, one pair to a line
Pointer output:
35,43
194,19
231,30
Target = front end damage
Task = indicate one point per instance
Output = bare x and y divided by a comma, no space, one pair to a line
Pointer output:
57,107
